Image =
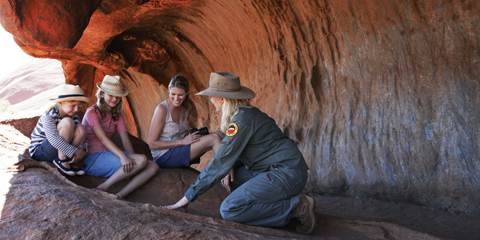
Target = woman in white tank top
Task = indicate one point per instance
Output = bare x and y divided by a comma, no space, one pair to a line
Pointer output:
169,141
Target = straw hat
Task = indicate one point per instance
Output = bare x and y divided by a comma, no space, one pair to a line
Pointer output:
226,85
113,86
70,92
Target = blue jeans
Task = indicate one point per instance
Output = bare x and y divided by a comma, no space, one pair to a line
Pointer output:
45,152
267,199
102,164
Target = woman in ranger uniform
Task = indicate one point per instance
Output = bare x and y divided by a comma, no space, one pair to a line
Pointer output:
256,162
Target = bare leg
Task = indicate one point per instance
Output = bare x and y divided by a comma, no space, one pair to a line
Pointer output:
141,178
221,134
208,142
145,169
66,129
79,138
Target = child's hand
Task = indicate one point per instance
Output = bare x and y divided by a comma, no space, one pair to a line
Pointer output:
79,155
127,164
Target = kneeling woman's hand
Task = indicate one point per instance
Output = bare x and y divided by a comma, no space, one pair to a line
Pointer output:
183,203
227,180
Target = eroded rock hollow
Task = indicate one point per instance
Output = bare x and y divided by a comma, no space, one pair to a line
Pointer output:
380,96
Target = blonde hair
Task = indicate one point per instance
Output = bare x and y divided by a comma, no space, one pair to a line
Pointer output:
102,108
57,105
230,109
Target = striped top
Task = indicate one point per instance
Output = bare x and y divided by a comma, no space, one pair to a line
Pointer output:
47,129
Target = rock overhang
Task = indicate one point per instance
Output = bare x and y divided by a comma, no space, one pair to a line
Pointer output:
378,96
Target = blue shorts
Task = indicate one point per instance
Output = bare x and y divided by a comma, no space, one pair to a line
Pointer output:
102,164
176,157
45,152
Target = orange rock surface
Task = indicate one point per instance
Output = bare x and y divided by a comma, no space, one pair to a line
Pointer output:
380,96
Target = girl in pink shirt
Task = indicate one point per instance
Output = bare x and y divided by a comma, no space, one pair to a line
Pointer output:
104,158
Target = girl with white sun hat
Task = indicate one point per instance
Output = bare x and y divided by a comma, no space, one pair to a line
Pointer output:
59,136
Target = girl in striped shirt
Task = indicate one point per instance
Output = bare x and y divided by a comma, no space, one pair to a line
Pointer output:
59,136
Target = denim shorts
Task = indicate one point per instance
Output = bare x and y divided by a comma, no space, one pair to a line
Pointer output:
45,152
102,164
176,157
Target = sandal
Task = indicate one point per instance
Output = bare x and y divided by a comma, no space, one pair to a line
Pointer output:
58,162
100,189
78,171
115,196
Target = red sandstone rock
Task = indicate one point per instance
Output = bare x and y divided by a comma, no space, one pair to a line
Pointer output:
380,96
47,24
39,202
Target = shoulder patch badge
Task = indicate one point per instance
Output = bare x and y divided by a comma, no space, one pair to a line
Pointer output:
232,129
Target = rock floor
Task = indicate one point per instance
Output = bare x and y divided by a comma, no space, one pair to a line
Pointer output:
39,203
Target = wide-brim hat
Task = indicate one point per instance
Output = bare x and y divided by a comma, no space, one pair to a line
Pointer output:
226,85
113,86
70,92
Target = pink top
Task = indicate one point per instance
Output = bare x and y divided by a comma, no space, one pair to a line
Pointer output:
92,118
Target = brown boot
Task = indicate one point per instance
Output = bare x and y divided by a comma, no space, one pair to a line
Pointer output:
305,214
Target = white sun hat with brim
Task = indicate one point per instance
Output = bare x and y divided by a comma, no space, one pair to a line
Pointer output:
113,86
70,92
226,85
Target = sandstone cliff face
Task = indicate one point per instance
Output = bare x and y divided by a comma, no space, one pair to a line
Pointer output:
380,96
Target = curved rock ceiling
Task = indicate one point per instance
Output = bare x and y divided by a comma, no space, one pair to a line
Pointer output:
381,96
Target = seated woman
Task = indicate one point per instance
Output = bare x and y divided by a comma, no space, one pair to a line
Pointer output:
261,167
169,141
104,158
59,136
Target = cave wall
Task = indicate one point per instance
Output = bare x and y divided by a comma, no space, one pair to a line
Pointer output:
380,96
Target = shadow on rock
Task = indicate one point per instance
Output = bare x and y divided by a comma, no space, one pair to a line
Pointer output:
165,188
42,203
